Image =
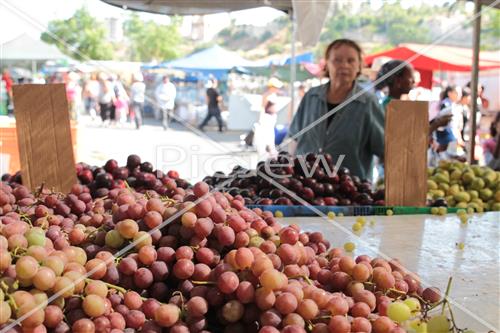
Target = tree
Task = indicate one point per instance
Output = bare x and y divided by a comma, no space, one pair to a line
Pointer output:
151,41
81,36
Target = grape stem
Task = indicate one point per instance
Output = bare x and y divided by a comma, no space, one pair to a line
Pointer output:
203,282
12,302
120,289
448,289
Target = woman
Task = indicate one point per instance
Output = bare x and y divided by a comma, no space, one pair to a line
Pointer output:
106,98
398,78
399,82
354,130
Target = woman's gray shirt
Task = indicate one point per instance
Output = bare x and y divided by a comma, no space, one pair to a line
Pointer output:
357,130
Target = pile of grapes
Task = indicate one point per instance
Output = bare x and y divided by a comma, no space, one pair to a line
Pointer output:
311,178
71,263
138,175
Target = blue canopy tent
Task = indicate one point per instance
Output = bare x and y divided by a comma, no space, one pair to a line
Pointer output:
214,61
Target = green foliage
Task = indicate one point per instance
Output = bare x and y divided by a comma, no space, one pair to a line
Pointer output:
151,41
81,36
274,48
265,36
398,25
490,29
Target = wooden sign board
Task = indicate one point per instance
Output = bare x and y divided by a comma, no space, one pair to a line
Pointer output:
44,136
406,142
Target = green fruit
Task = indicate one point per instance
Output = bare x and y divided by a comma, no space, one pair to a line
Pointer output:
418,326
443,186
437,194
462,204
438,324
490,177
478,201
474,194
462,196
454,189
495,207
431,185
474,206
456,175
441,178
468,177
478,171
497,196
485,194
444,164
477,184
430,172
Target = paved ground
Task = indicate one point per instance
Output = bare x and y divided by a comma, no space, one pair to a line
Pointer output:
194,155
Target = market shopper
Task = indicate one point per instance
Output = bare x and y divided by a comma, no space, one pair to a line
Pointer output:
399,80
137,94
106,98
91,95
165,97
213,99
354,130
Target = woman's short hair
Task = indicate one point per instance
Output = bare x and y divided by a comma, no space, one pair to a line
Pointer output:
344,42
396,68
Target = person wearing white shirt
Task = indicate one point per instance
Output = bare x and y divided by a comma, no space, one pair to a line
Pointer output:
165,97
137,91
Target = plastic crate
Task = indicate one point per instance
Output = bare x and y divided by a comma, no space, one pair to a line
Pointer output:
297,211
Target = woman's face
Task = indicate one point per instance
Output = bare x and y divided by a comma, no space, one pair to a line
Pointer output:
453,95
343,64
406,81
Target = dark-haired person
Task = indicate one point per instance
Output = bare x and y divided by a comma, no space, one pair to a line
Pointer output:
355,130
399,78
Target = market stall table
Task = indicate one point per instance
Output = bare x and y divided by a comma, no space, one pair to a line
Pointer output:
427,246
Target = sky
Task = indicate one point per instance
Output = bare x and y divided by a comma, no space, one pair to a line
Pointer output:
32,16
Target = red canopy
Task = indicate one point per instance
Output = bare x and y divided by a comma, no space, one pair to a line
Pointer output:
439,58
429,58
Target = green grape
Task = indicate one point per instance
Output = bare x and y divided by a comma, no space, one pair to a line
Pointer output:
26,267
413,304
398,311
438,324
114,239
418,326
35,236
5,312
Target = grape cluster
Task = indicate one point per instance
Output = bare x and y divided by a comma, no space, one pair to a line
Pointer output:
311,177
140,176
77,264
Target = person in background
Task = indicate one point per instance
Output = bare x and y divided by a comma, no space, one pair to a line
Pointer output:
165,94
490,145
73,94
448,137
397,77
91,95
264,130
106,98
464,104
121,101
137,94
213,99
355,130
7,79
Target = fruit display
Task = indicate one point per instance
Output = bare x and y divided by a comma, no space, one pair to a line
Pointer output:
70,263
311,178
456,184
135,174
